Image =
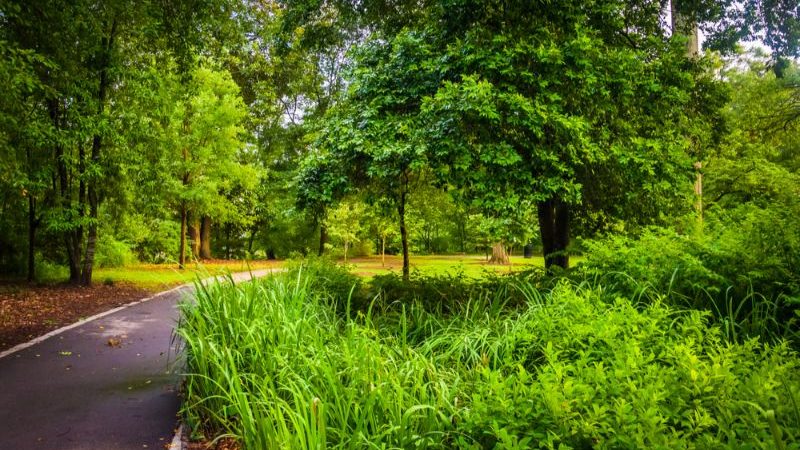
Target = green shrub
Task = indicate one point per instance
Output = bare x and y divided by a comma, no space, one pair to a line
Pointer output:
272,364
750,290
113,253
48,271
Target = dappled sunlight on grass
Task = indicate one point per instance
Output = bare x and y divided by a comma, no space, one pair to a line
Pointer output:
474,266
160,276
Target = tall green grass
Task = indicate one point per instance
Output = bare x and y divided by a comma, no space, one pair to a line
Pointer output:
288,362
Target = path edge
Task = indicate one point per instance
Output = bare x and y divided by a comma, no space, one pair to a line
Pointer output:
177,440
44,337
56,332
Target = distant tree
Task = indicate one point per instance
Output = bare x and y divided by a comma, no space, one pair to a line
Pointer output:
368,142
205,135
345,222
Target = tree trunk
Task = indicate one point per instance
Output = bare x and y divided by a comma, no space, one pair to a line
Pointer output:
63,194
499,255
346,245
383,251
228,240
686,26
323,237
31,237
250,241
554,228
698,190
91,243
205,238
401,211
193,229
97,143
182,246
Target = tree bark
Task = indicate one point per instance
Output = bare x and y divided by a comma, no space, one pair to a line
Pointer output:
401,211
193,230
63,195
205,238
554,228
323,237
97,143
383,251
499,255
686,26
31,237
182,246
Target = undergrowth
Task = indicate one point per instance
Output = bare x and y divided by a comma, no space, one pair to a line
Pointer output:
293,362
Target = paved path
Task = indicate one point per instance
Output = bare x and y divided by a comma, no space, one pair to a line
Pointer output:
75,391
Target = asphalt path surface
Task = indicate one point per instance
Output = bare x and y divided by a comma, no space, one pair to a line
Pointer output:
109,384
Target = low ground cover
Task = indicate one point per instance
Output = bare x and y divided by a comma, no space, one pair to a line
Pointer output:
302,360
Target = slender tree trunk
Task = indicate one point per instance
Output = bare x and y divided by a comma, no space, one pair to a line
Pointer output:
383,251
63,194
91,241
97,143
698,190
229,240
205,238
683,25
346,245
251,240
31,237
323,237
193,230
554,228
182,246
401,211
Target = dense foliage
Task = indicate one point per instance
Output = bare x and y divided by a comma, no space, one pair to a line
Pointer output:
283,363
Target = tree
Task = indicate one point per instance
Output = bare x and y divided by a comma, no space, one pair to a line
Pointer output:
85,52
368,142
560,111
345,222
205,141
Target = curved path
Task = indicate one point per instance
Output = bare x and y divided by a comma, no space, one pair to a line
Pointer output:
108,384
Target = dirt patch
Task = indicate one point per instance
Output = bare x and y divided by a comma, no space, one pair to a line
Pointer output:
221,444
27,312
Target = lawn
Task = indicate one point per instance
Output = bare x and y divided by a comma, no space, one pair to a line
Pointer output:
156,277
474,266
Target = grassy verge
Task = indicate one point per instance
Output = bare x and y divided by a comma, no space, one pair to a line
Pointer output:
290,362
474,266
155,277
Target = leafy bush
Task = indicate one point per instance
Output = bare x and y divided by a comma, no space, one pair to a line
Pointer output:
48,271
272,364
747,283
113,253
